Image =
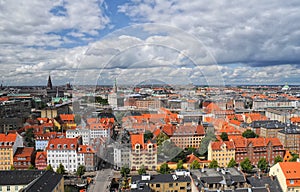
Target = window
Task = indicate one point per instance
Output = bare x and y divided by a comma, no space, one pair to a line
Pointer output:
182,188
8,188
157,185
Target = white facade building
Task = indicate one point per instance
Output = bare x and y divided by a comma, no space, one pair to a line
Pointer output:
64,151
84,133
121,156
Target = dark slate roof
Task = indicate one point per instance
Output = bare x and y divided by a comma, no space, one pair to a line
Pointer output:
229,175
260,189
212,180
291,129
257,183
161,178
270,124
142,187
19,177
45,183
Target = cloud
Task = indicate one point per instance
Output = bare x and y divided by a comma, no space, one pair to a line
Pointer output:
251,41
240,31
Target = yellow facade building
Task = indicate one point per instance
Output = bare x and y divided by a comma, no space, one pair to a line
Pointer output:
288,175
8,146
221,151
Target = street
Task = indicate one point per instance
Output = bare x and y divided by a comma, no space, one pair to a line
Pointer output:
101,181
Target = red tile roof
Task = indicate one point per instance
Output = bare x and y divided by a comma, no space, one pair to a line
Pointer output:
190,158
172,130
156,132
217,145
41,155
85,149
23,152
62,144
295,119
67,117
11,137
137,139
291,171
256,142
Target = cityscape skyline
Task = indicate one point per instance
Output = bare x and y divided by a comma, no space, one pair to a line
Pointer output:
256,45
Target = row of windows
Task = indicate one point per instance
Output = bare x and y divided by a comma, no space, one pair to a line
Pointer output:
5,153
4,168
226,154
5,163
61,161
8,188
5,158
20,163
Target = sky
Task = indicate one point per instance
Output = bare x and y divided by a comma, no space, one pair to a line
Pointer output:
177,42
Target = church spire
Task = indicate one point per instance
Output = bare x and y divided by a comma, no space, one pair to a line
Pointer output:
115,88
49,84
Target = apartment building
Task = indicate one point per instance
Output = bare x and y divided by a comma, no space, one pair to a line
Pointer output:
41,160
8,147
185,136
288,175
271,128
142,153
179,181
24,158
221,151
257,148
122,155
290,138
70,153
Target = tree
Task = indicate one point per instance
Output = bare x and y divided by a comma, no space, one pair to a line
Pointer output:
29,137
31,167
294,158
80,170
180,164
232,163
161,138
12,167
195,165
277,159
262,164
164,168
213,164
49,168
246,165
148,135
61,169
125,171
224,136
142,170
249,134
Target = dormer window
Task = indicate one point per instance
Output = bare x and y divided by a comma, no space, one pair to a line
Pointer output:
51,146
72,146
79,149
137,146
59,146
65,146
87,149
